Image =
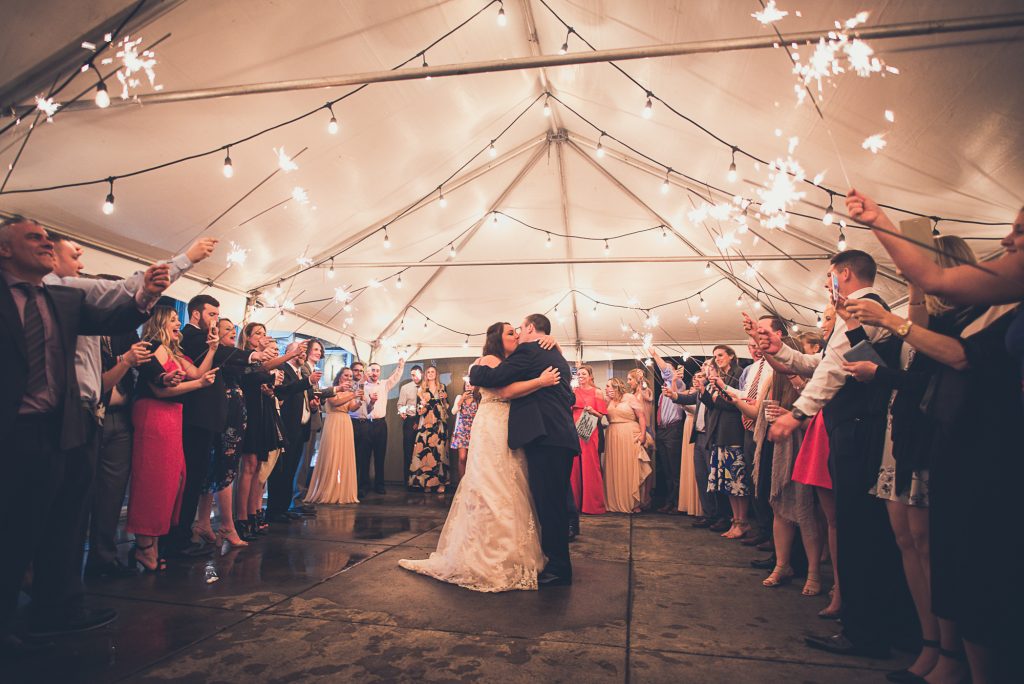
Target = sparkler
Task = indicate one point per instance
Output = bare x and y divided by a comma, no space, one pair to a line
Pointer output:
781,192
237,255
300,195
133,63
284,162
874,143
47,106
304,262
770,14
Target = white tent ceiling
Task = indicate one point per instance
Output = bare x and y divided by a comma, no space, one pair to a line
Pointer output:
953,151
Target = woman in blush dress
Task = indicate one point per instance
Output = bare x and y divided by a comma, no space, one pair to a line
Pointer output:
334,478
626,463
586,478
429,467
158,459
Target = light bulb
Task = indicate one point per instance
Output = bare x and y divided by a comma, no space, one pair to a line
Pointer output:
547,108
424,325
441,198
648,108
108,204
757,303
842,242
607,248
795,327
465,343
398,283
229,170
492,150
330,271
387,240
547,243
600,149
732,172
451,250
707,268
739,300
665,185
664,233
332,126
565,47
494,217
502,19
703,303
828,217
102,96
278,290
820,323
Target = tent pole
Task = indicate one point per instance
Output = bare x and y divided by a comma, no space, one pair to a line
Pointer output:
564,196
885,31
656,259
465,240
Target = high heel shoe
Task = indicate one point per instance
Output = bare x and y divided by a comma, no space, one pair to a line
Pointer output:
142,564
739,530
231,537
780,575
812,587
207,535
258,525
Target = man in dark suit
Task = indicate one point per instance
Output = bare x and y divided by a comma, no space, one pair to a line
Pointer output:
541,424
296,412
42,426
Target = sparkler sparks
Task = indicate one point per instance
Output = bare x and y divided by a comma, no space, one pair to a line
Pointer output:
300,195
284,162
770,14
304,262
133,63
874,143
47,106
237,255
781,192
341,294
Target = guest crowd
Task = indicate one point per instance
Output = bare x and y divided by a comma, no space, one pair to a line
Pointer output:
880,444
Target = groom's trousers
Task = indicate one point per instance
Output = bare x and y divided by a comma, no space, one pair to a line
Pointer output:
549,469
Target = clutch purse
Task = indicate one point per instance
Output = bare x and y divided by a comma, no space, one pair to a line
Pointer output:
586,425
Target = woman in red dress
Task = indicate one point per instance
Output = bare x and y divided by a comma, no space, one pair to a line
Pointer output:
587,482
158,461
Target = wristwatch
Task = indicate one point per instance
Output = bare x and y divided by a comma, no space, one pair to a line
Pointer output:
798,414
904,329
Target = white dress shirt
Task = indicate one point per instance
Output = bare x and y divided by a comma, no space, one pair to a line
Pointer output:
380,407
826,372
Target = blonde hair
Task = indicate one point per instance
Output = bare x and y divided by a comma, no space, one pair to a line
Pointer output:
156,329
637,374
620,387
953,251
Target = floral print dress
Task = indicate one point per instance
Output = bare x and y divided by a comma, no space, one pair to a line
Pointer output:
428,470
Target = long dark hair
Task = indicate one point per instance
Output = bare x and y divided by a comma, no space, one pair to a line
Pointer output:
493,343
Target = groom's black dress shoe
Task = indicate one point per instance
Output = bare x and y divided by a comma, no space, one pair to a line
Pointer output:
839,644
548,579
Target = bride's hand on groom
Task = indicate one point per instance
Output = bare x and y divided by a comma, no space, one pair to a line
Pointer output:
550,376
547,342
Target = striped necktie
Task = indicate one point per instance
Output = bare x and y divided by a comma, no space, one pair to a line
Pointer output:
748,424
35,340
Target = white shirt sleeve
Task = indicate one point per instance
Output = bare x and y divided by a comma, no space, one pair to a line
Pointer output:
798,362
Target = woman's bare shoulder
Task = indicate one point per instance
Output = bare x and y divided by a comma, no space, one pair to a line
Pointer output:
490,361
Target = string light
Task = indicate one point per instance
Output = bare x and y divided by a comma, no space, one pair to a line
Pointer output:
398,283
739,300
424,325
330,271
757,303
842,241
102,96
795,327
440,197
607,248
732,168
387,239
502,19
278,290
665,184
492,150
829,217
600,147
451,250
465,343
702,302
108,203
565,46
494,217
664,233
547,107
707,268
332,125
935,226
228,169
547,243
820,322
649,106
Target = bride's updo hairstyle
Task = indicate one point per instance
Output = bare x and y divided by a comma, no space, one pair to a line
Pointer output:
493,343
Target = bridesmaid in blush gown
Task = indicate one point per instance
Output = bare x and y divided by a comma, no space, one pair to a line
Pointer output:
586,478
626,463
334,478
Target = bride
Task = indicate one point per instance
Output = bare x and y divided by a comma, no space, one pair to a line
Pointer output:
490,541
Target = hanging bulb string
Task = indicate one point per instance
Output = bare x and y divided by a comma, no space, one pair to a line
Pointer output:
257,134
711,134
413,206
555,233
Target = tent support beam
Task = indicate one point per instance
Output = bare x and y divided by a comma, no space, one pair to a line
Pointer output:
465,240
563,191
657,259
885,31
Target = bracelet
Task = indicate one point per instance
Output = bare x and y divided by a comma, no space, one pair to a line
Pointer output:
920,303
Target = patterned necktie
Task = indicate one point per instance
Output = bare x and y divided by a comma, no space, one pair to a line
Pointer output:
748,424
35,340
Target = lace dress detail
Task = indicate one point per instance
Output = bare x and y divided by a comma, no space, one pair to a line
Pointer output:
490,541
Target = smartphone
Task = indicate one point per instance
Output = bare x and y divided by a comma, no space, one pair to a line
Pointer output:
919,231
153,345
835,287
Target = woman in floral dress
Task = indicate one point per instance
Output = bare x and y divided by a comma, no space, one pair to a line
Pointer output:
464,408
428,471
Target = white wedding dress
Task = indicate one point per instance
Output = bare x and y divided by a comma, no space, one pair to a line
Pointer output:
490,541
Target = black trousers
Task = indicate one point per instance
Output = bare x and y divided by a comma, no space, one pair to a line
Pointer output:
113,467
42,497
371,443
282,478
197,444
763,487
668,444
549,469
408,442
877,608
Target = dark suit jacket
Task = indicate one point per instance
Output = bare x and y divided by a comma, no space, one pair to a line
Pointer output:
291,392
207,408
723,422
73,317
544,417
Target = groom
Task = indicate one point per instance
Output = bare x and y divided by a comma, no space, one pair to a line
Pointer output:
541,424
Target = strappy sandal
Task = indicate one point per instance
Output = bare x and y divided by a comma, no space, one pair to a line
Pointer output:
140,563
812,587
780,576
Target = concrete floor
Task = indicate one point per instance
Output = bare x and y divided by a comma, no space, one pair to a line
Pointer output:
653,601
